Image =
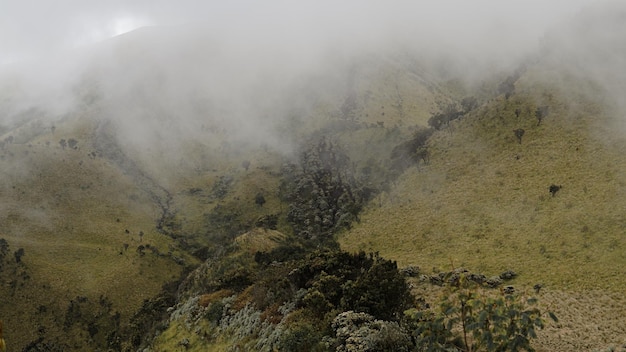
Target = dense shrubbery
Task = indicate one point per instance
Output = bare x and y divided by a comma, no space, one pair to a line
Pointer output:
412,151
322,191
303,299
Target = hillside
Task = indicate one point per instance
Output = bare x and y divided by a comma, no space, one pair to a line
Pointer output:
483,202
166,195
79,221
103,222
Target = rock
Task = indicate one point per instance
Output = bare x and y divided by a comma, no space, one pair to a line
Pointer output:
436,280
477,278
411,271
509,290
508,275
493,282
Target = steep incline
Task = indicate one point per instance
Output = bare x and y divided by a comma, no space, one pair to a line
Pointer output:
483,202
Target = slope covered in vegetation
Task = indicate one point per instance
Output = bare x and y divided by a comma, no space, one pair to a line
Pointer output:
547,204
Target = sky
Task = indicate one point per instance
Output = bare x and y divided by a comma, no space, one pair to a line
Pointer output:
31,28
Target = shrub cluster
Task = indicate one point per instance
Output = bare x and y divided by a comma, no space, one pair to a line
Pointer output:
322,191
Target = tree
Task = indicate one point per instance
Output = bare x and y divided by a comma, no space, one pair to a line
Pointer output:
468,104
4,247
449,113
541,112
519,133
259,199
380,291
507,87
323,193
18,255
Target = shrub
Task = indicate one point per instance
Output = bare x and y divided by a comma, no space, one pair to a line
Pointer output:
361,332
323,193
469,319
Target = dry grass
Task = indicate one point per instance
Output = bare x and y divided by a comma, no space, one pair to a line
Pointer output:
483,203
70,213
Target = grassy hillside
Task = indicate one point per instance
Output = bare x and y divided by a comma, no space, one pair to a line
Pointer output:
79,220
104,223
483,202
81,201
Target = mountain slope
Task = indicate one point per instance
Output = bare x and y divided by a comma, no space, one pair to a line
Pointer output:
483,202
79,221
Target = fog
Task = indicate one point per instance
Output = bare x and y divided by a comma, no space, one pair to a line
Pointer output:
165,72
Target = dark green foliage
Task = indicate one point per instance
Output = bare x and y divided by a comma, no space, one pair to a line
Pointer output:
42,345
412,151
233,273
323,193
18,255
259,199
4,248
468,104
225,222
95,319
221,187
358,282
214,312
301,336
541,113
149,317
380,291
507,87
450,113
285,252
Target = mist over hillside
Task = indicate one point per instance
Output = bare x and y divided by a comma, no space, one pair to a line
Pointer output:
251,72
169,168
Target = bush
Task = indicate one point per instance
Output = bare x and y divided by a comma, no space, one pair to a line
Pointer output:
469,319
323,194
301,336
360,332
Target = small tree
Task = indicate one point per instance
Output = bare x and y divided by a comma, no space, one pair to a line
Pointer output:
468,104
259,199
72,143
541,112
519,133
18,255
472,319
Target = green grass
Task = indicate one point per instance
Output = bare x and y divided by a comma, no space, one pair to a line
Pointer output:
70,213
483,202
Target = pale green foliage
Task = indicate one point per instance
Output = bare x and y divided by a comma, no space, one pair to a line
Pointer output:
361,332
473,319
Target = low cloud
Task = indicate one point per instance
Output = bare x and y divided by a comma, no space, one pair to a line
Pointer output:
207,67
